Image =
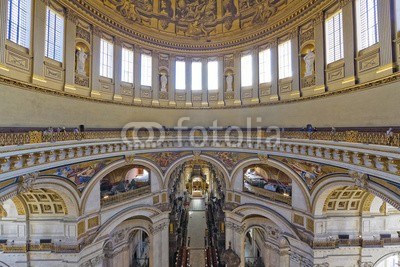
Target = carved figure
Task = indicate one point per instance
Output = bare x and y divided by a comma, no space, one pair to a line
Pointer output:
164,81
229,82
80,64
309,59
263,13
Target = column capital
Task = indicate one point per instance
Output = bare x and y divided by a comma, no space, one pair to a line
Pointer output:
343,3
71,16
318,19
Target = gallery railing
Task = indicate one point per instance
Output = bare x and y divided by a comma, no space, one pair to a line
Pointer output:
9,248
119,197
332,244
34,137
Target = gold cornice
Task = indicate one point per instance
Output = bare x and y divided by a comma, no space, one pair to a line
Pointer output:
358,87
301,14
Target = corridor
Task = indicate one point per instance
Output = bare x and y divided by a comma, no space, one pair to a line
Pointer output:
197,226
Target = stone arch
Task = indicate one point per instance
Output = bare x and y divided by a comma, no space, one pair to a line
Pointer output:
386,256
202,157
327,184
156,178
250,210
69,193
133,211
237,176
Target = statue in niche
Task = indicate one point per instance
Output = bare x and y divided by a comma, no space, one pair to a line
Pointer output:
81,57
229,82
164,7
164,81
309,60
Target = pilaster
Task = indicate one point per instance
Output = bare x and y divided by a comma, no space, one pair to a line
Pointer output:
348,42
237,79
385,38
188,81
95,62
221,81
39,30
204,82
319,53
117,69
138,60
274,71
155,80
3,31
69,60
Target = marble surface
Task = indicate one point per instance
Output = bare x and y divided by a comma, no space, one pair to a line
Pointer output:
197,226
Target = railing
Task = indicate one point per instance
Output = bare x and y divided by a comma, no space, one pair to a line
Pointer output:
119,197
34,137
332,244
39,247
268,194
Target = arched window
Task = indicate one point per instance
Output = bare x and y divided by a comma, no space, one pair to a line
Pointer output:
180,75
197,76
367,23
285,60
265,66
106,58
246,70
54,48
334,37
127,65
212,75
19,22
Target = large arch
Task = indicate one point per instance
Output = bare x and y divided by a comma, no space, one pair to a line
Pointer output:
327,184
203,157
156,177
237,176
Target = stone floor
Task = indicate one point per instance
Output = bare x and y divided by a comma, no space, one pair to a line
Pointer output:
196,232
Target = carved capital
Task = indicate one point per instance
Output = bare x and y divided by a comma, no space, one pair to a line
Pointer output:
318,19
71,16
97,31
343,3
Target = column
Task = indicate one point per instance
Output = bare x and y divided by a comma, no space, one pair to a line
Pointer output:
95,62
221,81
137,88
349,42
237,79
70,33
295,64
385,37
39,30
3,31
117,69
188,80
204,82
171,81
156,80
319,53
256,83
274,96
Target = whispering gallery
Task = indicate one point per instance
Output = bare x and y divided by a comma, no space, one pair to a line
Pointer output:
195,133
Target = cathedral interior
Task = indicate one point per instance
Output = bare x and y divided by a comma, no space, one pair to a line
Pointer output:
156,133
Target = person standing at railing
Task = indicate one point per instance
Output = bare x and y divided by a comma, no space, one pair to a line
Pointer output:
389,136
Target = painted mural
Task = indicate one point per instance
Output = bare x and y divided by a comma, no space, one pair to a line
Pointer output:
267,182
81,173
164,159
310,172
229,159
